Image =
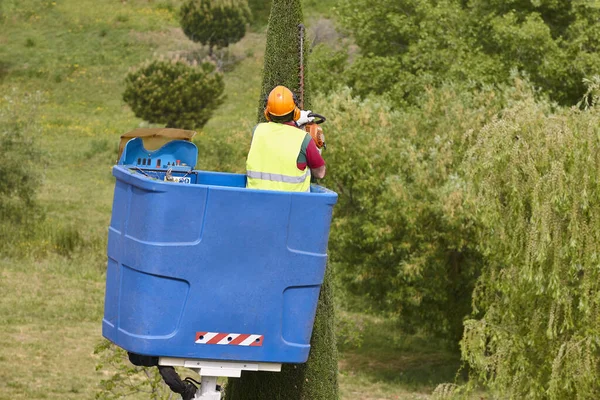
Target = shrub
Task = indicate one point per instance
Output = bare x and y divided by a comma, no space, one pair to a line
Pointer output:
174,92
214,23
400,239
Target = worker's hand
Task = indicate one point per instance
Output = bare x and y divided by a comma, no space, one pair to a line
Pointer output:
304,118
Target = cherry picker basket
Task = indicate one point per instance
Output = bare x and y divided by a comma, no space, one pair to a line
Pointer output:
199,267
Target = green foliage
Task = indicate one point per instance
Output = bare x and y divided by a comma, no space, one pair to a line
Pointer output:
126,379
66,240
416,43
20,168
389,356
215,23
174,92
536,193
260,11
221,153
411,44
103,150
326,66
592,95
19,154
401,239
349,331
282,53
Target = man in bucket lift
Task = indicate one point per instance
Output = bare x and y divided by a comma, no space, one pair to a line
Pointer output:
281,156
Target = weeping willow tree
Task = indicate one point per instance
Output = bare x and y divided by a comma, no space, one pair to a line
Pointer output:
536,330
317,378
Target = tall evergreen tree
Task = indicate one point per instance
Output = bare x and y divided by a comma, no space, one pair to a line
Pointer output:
317,378
282,54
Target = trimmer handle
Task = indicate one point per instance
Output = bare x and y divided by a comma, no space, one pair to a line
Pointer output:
319,119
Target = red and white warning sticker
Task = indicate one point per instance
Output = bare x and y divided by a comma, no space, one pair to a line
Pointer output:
234,339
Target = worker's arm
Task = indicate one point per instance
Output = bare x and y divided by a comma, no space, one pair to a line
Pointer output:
318,173
314,161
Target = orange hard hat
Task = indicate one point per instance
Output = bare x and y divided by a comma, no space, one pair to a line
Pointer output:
281,101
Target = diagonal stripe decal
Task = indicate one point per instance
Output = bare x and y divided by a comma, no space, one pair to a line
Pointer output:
232,339
217,338
203,339
228,338
239,339
250,340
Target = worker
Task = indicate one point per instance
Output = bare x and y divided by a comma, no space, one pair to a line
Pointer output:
281,156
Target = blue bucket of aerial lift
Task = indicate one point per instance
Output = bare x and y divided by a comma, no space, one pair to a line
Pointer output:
207,269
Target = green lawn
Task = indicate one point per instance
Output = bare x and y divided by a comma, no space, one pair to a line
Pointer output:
76,53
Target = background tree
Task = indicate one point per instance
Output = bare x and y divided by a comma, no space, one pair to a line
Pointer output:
214,23
317,378
401,242
415,43
174,92
536,194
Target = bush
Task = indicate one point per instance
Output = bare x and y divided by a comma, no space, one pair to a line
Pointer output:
176,93
215,23
400,239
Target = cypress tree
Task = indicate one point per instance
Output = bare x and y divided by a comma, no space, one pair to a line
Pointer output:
282,53
314,380
317,378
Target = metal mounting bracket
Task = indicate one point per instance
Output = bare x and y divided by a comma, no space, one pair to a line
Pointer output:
210,370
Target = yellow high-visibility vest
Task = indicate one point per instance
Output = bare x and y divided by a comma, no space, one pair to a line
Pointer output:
271,162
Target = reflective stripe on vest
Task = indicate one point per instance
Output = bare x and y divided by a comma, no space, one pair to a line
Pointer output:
272,159
277,177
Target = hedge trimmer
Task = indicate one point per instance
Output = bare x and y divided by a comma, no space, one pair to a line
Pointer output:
312,128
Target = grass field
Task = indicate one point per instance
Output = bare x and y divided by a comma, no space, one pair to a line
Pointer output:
76,53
